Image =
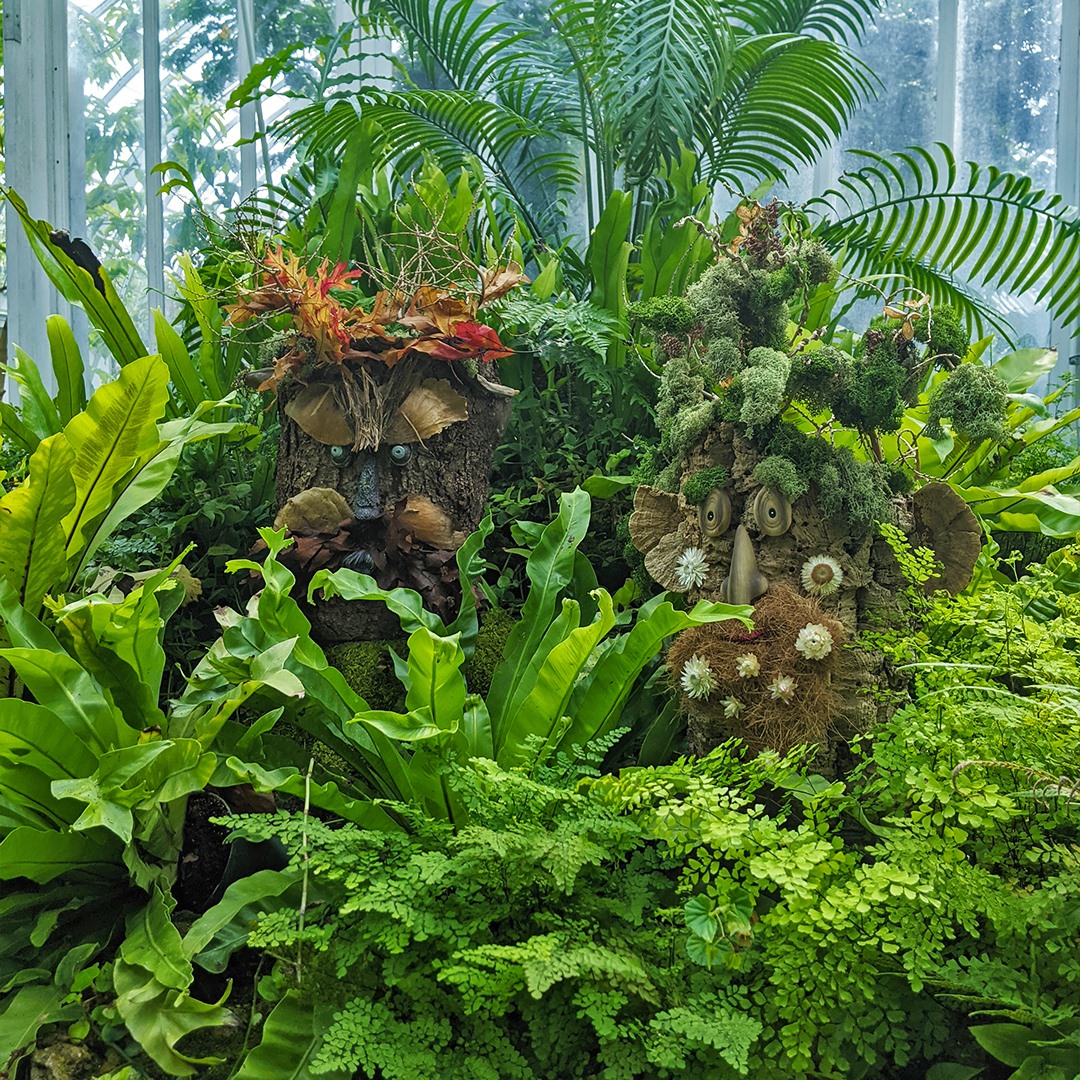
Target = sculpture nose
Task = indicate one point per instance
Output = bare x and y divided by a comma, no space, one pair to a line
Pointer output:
366,505
745,582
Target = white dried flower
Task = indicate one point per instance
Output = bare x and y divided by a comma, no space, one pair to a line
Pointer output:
698,680
732,707
691,568
821,575
814,641
783,688
747,666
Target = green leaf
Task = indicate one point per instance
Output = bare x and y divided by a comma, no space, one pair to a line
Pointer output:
42,856
470,568
119,425
36,407
1020,370
341,217
550,568
30,735
182,372
434,682
153,943
28,1010
33,543
76,285
291,1036
67,364
541,713
1008,1043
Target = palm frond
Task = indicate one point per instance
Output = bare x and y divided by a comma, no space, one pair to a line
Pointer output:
664,66
468,44
836,20
787,99
995,228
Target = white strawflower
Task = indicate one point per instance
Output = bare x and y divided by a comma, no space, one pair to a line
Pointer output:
814,641
732,707
698,680
691,568
783,688
821,575
747,666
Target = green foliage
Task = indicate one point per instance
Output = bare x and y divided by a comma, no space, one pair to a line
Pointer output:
974,399
663,314
697,486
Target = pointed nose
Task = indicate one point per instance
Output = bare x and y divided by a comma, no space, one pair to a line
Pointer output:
745,582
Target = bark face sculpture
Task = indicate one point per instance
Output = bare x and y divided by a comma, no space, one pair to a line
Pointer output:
403,507
390,411
812,582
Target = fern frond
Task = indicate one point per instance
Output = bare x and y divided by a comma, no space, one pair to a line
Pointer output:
917,208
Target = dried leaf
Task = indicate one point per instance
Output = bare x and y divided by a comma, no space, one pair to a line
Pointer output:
428,523
317,411
892,313
316,510
907,331
499,280
431,407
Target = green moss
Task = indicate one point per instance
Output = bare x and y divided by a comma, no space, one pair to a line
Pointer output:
764,386
875,397
369,670
818,263
853,491
974,399
899,479
780,472
697,486
820,377
663,314
944,334
495,627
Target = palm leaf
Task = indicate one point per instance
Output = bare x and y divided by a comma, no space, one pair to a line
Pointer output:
788,98
666,64
916,208
837,20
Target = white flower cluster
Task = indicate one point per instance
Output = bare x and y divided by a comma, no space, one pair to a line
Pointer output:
814,641
783,688
697,680
747,666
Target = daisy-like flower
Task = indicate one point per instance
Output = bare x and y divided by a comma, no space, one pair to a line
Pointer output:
821,575
732,707
697,680
747,666
691,568
783,688
814,641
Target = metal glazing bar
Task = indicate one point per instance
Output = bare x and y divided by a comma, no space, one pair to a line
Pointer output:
155,212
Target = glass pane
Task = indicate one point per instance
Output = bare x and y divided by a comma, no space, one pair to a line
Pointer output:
901,50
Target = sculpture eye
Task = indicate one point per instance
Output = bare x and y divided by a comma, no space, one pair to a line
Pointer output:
341,456
400,454
714,514
772,512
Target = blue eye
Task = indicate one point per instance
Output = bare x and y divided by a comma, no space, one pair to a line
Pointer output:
400,454
341,456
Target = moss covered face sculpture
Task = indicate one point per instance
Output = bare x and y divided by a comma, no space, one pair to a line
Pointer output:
749,508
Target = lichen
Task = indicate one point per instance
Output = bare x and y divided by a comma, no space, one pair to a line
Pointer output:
763,384
944,334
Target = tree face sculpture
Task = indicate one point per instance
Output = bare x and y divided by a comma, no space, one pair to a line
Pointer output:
391,412
812,582
759,497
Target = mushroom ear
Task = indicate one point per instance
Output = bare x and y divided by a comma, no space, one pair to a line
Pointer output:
945,524
314,510
661,562
656,513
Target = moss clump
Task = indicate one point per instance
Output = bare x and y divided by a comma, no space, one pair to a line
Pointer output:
974,399
763,385
369,670
854,491
899,479
880,384
780,473
820,377
697,486
944,334
682,414
663,314
495,627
